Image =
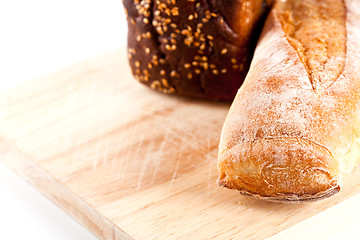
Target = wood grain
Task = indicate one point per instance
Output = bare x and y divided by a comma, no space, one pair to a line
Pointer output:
128,162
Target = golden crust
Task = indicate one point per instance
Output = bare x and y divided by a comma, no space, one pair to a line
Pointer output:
285,168
283,139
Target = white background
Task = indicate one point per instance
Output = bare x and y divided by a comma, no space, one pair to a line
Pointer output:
38,37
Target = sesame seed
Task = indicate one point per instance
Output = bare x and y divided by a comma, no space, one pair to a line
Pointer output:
189,76
205,65
184,32
162,72
137,64
147,50
187,65
173,73
224,51
146,21
175,11
167,21
155,84
207,14
164,82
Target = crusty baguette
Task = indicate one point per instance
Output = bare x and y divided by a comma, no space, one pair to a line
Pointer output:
293,129
199,49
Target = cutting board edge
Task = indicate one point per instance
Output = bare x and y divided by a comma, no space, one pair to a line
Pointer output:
62,197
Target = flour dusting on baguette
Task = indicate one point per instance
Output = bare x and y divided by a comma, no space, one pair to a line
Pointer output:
293,129
316,29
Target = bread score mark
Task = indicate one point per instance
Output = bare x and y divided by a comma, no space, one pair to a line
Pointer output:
317,31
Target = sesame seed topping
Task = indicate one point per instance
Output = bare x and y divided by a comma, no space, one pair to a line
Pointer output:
224,51
175,11
173,73
165,82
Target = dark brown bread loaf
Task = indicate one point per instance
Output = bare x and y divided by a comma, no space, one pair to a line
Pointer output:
191,48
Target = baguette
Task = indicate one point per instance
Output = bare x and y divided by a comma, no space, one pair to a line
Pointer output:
293,129
199,49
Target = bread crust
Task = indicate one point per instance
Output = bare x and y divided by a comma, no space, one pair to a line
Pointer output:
200,49
284,140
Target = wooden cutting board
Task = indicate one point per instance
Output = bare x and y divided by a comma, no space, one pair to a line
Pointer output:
128,162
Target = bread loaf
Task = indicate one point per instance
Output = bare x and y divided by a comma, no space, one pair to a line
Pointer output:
293,129
199,49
